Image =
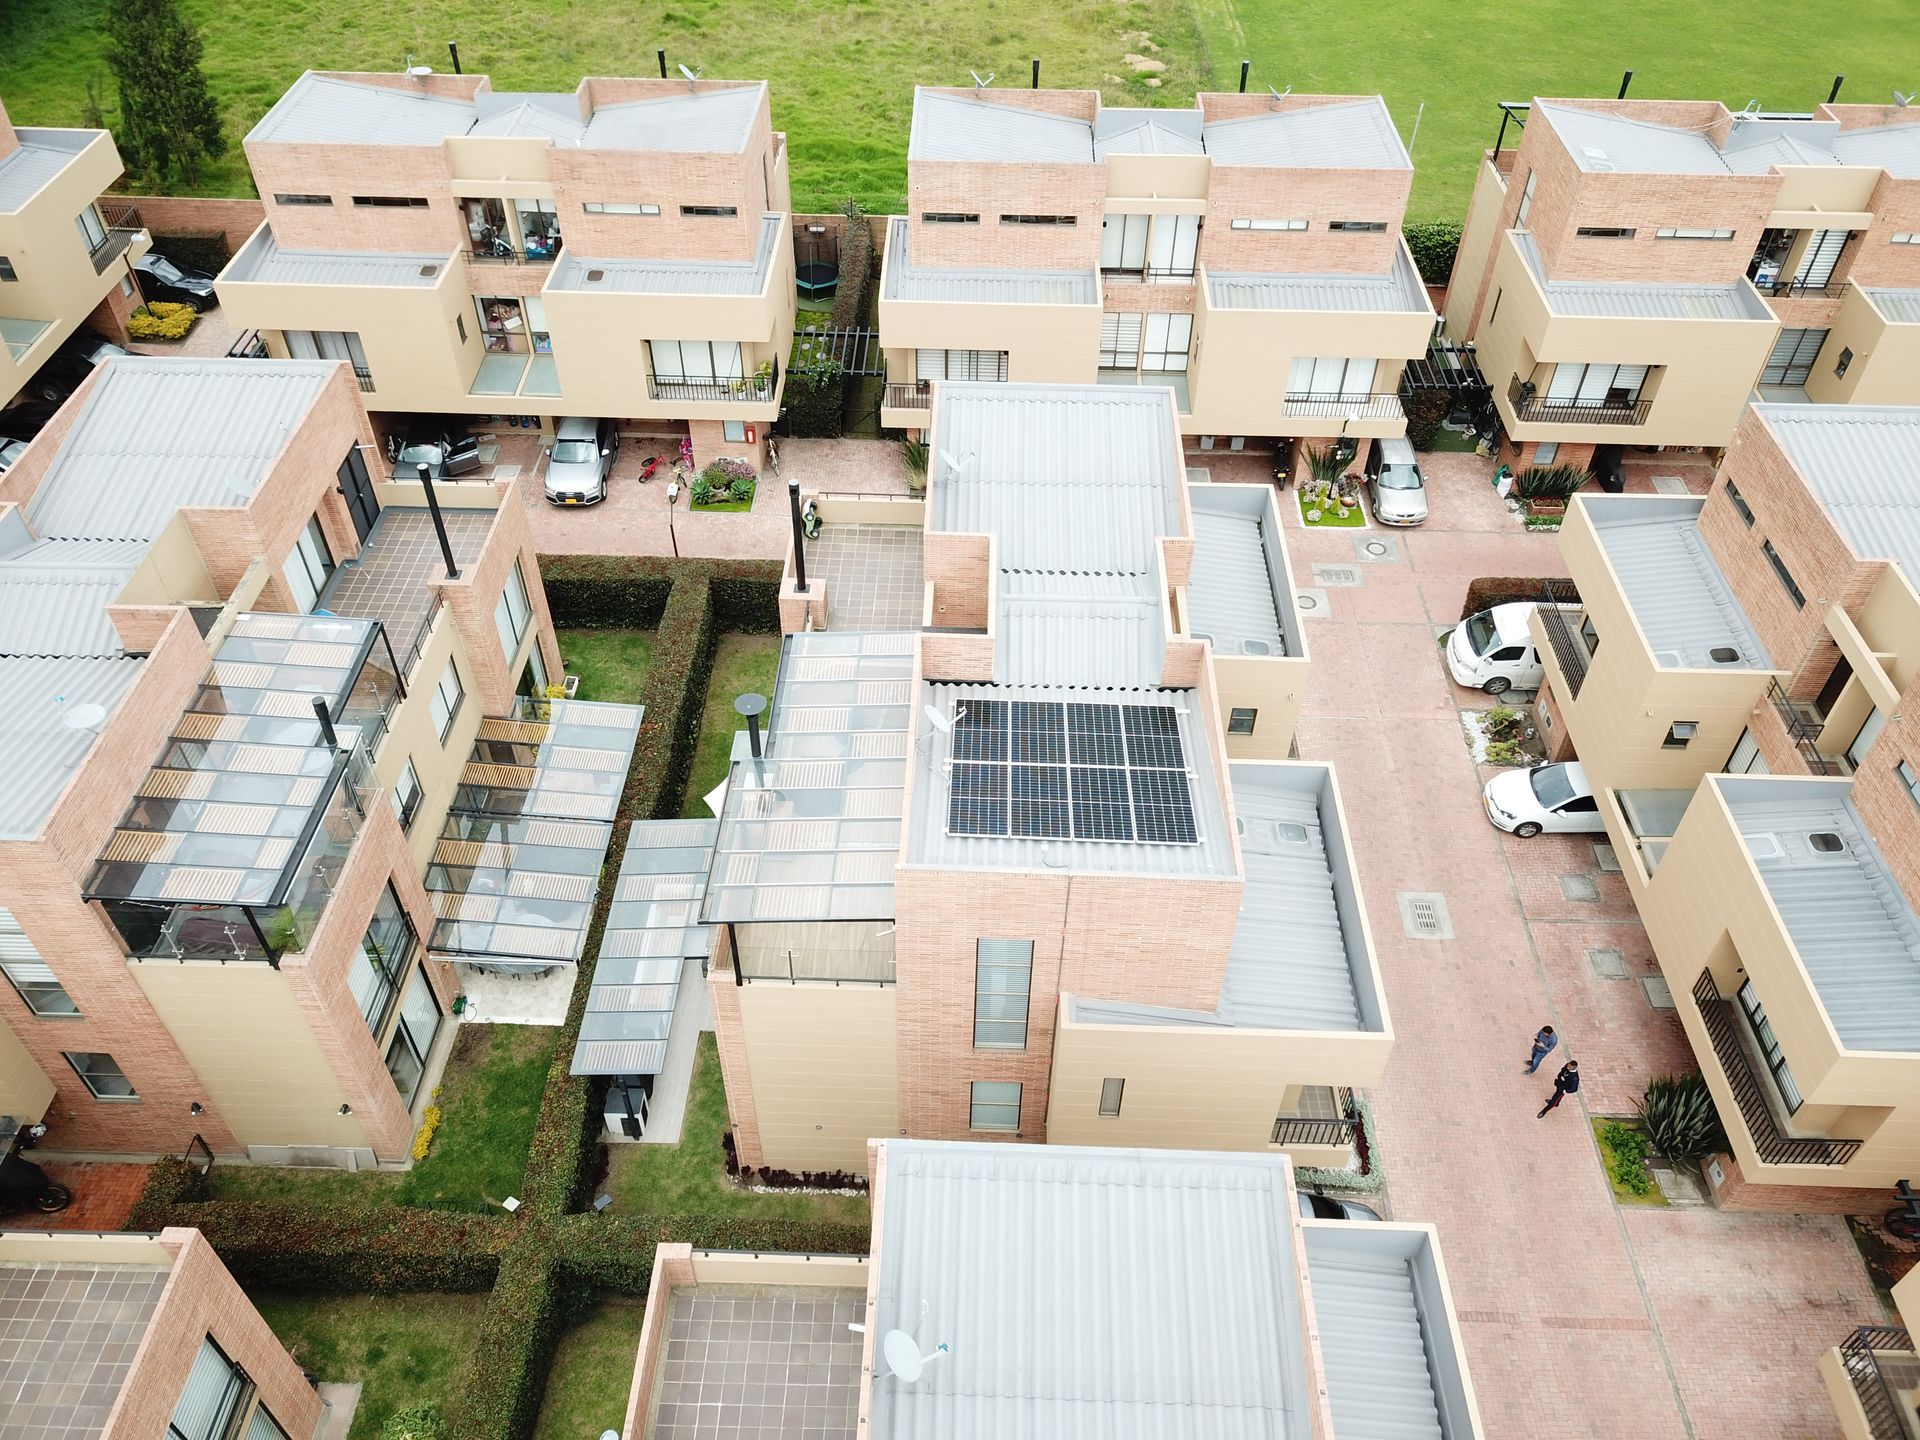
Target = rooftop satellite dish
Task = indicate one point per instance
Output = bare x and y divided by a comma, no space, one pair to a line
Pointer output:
692,75
1903,99
956,464
89,717
903,1357
978,83
937,719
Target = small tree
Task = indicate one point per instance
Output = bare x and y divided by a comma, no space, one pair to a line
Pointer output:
169,121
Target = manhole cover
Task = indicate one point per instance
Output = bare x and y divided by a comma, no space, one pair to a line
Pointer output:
1607,964
1337,575
1605,857
1423,915
1670,485
1312,604
1375,548
1659,995
1199,475
1579,887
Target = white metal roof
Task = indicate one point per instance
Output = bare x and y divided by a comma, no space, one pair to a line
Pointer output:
262,261
1601,142
1065,628
950,127
1400,290
673,277
1127,131
54,596
1644,300
1902,306
907,281
1673,584
325,110
1343,135
43,752
1894,148
159,435
1853,926
42,154
1862,463
1232,598
709,122
1090,1294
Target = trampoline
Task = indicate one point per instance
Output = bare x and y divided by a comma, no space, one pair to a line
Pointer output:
816,279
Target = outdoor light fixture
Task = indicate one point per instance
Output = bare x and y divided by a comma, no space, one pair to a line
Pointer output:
345,1110
673,498
196,1108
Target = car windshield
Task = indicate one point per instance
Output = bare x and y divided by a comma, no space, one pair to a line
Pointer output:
164,269
1481,636
1551,787
420,452
1399,477
573,452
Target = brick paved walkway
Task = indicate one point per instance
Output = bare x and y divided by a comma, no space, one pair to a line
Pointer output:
103,1197
1580,1318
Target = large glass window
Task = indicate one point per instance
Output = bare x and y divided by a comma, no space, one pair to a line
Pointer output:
308,565
216,1392
413,1037
1870,729
331,345
503,329
1002,981
378,967
995,1105
511,614
960,365
1792,357
21,962
445,703
1123,242
1331,376
1792,586
92,228
406,794
1526,201
1770,1047
1598,384
697,360
539,228
264,1427
102,1075
1156,343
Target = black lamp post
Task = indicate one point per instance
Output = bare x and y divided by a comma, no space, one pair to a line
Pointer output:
799,536
439,525
673,498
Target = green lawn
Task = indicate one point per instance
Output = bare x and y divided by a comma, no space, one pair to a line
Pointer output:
401,1348
691,1178
843,74
1330,517
610,663
591,1374
490,1095
740,663
1642,1190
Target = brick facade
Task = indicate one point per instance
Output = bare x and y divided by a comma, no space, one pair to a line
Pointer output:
172,214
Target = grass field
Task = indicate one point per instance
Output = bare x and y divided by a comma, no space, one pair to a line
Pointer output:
611,664
843,73
741,663
592,1372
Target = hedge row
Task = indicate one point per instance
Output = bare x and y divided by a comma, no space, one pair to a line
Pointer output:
1490,590
614,592
1434,244
856,269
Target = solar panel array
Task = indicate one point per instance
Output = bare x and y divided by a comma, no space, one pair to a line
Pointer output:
1046,770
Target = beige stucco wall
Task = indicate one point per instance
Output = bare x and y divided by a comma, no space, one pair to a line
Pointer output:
1480,238
824,1062
25,1090
1886,357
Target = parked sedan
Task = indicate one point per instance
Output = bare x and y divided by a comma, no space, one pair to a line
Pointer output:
1395,484
1315,1206
161,279
446,454
1547,797
63,371
580,460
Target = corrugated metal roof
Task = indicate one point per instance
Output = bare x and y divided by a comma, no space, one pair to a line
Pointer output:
159,435
1861,463
1602,142
673,277
1902,307
1894,148
1231,597
547,115
1639,300
1063,628
41,156
1853,926
1128,131
54,596
1346,135
262,262
711,122
322,110
907,281
949,127
43,753
1754,147
1090,1294
1670,578
1373,1337
1398,291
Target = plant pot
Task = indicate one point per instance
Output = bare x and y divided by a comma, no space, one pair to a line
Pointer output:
1546,505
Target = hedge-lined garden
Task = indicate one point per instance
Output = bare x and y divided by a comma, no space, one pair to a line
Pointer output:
543,1266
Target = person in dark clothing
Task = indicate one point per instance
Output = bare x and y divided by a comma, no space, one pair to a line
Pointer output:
1566,1083
1543,1043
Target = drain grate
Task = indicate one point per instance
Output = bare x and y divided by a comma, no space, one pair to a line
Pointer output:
1337,575
1424,916
1375,548
1605,857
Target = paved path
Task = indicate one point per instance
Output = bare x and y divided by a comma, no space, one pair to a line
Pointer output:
1581,1318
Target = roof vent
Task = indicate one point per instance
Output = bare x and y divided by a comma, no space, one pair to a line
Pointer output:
1825,842
1288,833
1723,655
594,277
1763,847
427,272
1255,647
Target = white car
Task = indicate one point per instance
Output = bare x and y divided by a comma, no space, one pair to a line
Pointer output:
1492,650
580,460
10,451
1547,797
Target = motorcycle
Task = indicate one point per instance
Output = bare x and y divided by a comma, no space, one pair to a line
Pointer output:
23,1184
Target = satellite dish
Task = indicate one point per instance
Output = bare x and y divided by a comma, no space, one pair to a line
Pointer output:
956,464
903,1357
936,719
978,83
89,717
692,75
1901,101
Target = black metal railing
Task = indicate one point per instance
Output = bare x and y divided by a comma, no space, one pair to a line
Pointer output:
1319,1129
1381,405
248,347
499,252
120,215
1781,289
365,377
1145,274
1769,1143
761,386
908,397
1568,644
1866,1354
1530,406
1804,737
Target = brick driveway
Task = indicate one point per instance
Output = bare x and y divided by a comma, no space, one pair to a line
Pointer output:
1580,1318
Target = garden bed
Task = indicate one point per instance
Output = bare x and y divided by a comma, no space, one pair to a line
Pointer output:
611,664
1331,518
401,1349
592,1372
1623,1157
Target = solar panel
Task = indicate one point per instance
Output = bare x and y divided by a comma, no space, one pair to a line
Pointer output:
1163,806
977,800
980,730
1038,733
1095,735
1153,737
1039,802
1100,804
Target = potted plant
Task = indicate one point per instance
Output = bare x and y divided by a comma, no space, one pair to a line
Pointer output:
1547,489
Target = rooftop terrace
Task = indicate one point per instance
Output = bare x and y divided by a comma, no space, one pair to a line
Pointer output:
1860,462
68,1335
392,580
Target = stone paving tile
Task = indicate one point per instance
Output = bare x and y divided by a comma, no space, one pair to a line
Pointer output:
103,1196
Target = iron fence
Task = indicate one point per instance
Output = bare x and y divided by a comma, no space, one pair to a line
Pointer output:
1772,1146
1529,407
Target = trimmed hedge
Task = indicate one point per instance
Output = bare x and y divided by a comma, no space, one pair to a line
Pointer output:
856,269
1425,410
1434,244
629,592
204,250
1491,590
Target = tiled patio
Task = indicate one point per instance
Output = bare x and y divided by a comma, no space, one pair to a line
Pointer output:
759,1363
389,582
68,1333
872,573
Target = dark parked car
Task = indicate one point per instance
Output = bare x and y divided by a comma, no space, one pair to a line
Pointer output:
161,279
10,451
70,364
1314,1206
447,451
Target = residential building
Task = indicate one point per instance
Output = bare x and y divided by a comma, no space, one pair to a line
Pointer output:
129,1336
1245,252
1633,270
1873,1374
619,252
1067,1291
64,252
267,750
1735,676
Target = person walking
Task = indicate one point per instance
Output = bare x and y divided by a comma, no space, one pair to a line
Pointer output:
1543,1042
1566,1083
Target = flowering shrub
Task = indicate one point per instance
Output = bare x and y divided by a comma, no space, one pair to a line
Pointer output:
429,1124
161,320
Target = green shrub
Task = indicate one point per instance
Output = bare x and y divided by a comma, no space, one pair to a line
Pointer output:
724,479
629,592
1505,752
1501,723
856,269
1425,410
1434,244
1490,590
162,320
1628,1147
915,453
416,1422
204,250
1678,1113
1549,482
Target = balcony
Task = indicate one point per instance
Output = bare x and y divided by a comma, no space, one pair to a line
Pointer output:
1382,405
1880,1364
1529,406
393,579
1770,1143
123,229
1569,646
1337,1129
1800,289
908,397
1149,275
759,388
499,252
1804,734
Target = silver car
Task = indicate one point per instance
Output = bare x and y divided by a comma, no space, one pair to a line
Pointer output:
1395,484
580,460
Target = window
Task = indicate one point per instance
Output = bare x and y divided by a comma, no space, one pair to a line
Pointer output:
1746,758
1739,503
1786,576
92,228
734,432
126,288
1039,219
1684,232
1110,1093
1330,377
1680,734
263,1426
960,365
406,794
413,1037
618,207
539,228
330,345
1845,360
1545,451
1910,779
216,1393
1240,720
1165,345
1002,979
511,613
948,217
101,1075
710,212
21,960
1792,359
1269,224
392,202
1907,237
1526,201
7,272
446,700
1770,1047
1863,739
995,1105
1493,313
1123,242
1600,385
1364,227
379,965
460,324
308,565
1605,232
700,361
303,200
1590,635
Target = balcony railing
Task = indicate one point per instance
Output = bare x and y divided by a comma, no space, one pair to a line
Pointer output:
1319,1129
1528,406
1869,1354
249,346
1569,645
1796,289
908,397
365,377
1801,732
1149,274
749,388
1383,405
499,252
1772,1146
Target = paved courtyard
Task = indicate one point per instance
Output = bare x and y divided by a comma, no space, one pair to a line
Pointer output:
1581,1318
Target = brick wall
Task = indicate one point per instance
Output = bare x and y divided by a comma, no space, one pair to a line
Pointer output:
729,1031
1074,104
1645,203
1246,192
1736,1192
343,171
170,214
1881,795
992,190
1873,258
